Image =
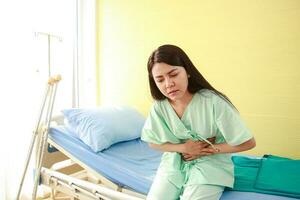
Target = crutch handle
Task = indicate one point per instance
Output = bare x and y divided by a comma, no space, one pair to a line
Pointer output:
53,80
57,78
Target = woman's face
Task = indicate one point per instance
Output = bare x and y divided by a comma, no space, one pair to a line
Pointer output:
172,81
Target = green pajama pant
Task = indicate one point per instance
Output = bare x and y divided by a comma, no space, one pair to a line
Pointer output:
163,189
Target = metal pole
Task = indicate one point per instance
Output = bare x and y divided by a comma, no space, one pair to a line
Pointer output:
49,36
49,57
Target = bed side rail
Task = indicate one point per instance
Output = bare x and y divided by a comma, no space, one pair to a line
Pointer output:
81,189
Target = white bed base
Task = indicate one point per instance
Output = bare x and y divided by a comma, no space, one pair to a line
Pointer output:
96,186
81,189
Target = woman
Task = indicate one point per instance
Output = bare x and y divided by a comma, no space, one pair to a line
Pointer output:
196,127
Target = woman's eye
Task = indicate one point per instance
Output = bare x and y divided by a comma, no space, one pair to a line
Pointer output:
159,80
173,75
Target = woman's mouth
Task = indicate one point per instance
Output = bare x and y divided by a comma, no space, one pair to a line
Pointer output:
173,92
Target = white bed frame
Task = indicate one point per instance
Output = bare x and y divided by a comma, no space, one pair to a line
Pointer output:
86,184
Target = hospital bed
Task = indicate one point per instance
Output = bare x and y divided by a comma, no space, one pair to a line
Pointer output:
123,171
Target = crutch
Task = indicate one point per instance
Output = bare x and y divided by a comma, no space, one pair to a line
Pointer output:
49,87
43,140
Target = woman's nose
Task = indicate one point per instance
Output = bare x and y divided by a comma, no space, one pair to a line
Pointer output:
169,83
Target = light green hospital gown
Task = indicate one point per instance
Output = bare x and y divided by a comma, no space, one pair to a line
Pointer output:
207,115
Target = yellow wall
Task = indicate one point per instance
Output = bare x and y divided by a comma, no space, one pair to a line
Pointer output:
250,50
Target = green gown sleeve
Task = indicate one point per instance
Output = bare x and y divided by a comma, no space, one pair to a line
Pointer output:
229,122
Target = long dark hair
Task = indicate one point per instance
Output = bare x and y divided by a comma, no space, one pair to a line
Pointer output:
175,56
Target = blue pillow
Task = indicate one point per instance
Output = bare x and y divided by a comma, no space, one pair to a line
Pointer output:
102,127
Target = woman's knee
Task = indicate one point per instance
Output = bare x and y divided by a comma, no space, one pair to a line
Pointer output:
161,188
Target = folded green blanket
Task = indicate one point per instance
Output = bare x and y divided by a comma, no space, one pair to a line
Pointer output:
269,175
280,175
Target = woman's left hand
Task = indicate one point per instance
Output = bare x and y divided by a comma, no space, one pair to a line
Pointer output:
204,152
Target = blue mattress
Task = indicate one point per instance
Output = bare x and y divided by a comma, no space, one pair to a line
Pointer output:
130,164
